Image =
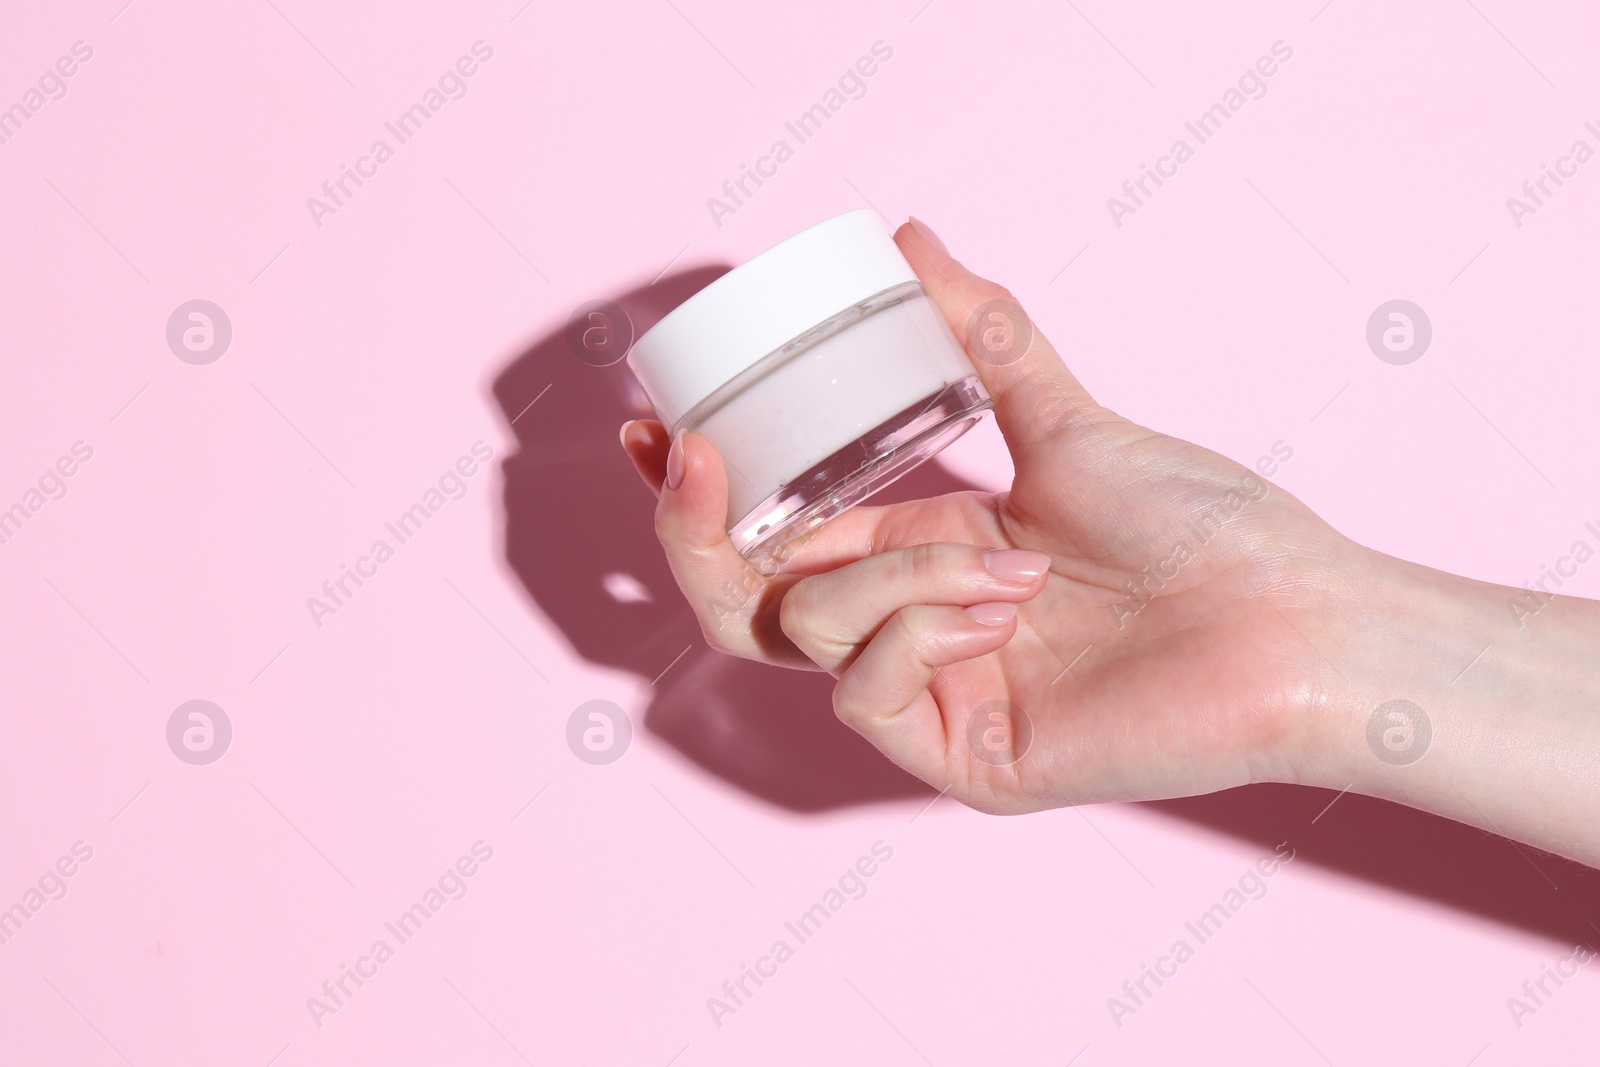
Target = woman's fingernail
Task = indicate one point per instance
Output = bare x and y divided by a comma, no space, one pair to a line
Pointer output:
675,461
996,614
622,434
927,234
1016,564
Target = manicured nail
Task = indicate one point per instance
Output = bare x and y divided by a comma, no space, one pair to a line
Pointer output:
675,461
622,434
927,234
996,614
1016,564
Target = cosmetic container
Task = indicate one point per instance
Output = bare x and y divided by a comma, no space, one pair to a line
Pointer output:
820,370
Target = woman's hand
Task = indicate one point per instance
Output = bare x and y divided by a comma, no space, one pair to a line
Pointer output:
1140,618
1141,613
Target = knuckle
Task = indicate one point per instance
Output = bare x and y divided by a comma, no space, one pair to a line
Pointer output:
681,534
846,707
721,613
911,624
717,639
922,564
663,526
935,570
794,610
727,632
728,615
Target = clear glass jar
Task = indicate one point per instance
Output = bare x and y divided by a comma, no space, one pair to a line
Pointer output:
820,370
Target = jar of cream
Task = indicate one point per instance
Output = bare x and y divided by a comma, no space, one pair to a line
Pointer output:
820,370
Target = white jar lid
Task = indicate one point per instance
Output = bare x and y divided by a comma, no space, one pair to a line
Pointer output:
758,307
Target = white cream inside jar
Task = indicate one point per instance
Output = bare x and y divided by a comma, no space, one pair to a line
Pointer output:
820,370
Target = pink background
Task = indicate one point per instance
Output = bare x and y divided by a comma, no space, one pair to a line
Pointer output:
368,354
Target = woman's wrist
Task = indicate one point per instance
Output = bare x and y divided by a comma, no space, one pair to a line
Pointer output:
1471,700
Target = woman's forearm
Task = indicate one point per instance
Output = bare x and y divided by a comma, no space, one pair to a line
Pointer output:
1475,701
